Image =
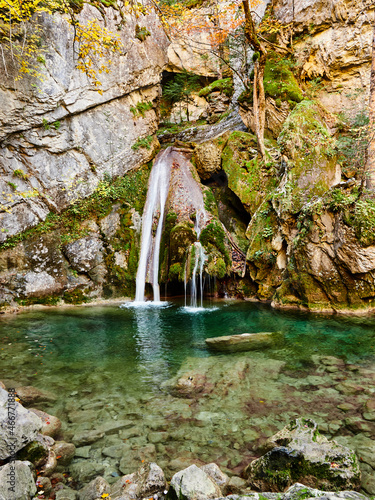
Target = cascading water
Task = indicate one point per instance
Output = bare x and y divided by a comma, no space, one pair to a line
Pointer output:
199,260
157,193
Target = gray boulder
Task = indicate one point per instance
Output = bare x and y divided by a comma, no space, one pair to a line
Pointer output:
192,484
25,429
300,454
299,492
147,481
213,471
66,493
16,481
84,254
95,489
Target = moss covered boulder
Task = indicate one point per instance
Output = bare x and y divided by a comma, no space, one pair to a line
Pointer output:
307,143
249,178
298,453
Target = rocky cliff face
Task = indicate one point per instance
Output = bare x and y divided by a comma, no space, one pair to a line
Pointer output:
60,136
72,199
61,139
332,40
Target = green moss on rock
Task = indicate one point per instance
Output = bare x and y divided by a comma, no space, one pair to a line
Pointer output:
213,235
225,85
34,452
76,296
310,148
248,177
49,300
279,82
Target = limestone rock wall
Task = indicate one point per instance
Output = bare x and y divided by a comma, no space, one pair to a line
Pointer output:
60,134
332,40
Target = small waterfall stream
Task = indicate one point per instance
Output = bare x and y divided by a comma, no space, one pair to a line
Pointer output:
199,260
157,193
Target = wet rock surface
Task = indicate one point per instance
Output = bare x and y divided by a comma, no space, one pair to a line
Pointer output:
242,342
301,454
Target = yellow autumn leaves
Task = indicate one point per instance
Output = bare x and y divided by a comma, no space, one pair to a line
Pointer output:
21,39
95,43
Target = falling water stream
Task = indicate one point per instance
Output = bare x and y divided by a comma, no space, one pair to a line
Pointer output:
150,247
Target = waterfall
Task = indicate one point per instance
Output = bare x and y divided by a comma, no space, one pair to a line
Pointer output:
199,260
157,193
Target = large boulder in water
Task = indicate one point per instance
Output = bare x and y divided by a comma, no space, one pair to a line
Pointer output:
243,342
298,453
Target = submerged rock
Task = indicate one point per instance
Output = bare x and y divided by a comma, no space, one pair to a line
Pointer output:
31,395
300,453
96,488
243,342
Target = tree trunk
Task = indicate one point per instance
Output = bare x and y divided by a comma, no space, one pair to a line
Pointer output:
370,163
262,99
256,107
259,101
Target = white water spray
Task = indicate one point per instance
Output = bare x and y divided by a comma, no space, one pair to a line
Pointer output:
157,193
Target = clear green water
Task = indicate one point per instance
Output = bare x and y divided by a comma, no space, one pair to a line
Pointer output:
121,357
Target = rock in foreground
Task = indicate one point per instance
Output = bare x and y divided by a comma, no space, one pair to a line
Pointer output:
300,454
192,484
299,492
25,429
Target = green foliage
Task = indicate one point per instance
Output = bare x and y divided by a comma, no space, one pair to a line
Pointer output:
75,296
176,128
180,87
45,124
144,142
141,32
364,221
248,176
352,143
267,232
313,87
304,134
209,201
12,185
340,200
224,85
175,271
20,174
50,300
141,108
